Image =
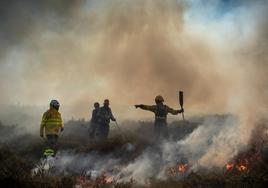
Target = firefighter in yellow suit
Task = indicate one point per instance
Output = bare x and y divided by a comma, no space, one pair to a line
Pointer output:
51,125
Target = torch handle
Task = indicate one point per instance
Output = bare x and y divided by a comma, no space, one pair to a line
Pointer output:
181,102
182,114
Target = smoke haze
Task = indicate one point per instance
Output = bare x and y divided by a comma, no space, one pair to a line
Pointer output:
128,51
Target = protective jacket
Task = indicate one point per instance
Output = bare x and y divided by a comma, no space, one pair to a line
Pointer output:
51,122
105,115
94,117
160,124
93,124
160,110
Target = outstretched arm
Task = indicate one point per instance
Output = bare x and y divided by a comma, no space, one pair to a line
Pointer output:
174,112
146,107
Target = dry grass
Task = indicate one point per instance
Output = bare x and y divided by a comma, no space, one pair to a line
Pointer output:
19,155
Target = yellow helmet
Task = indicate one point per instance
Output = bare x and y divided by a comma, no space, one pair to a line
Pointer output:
159,98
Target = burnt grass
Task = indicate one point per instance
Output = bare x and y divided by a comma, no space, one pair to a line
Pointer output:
20,152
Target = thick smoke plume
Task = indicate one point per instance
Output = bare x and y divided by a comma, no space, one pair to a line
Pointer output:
82,51
129,51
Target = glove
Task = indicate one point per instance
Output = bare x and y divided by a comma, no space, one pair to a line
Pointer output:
61,129
181,110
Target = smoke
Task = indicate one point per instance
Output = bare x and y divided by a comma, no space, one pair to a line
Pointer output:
212,144
129,51
203,143
209,146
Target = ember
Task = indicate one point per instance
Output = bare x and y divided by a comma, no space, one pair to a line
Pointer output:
180,168
241,168
229,166
109,179
244,161
102,180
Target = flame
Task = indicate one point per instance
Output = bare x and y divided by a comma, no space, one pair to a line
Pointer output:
182,167
229,166
244,161
101,180
109,179
241,167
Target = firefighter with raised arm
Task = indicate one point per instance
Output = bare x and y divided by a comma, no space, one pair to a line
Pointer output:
161,111
51,125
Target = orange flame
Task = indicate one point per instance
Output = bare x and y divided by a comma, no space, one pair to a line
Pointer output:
229,166
109,179
241,167
182,167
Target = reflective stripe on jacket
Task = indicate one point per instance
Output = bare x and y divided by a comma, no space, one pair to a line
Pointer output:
51,122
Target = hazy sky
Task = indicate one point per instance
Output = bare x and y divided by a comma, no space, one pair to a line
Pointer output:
130,51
